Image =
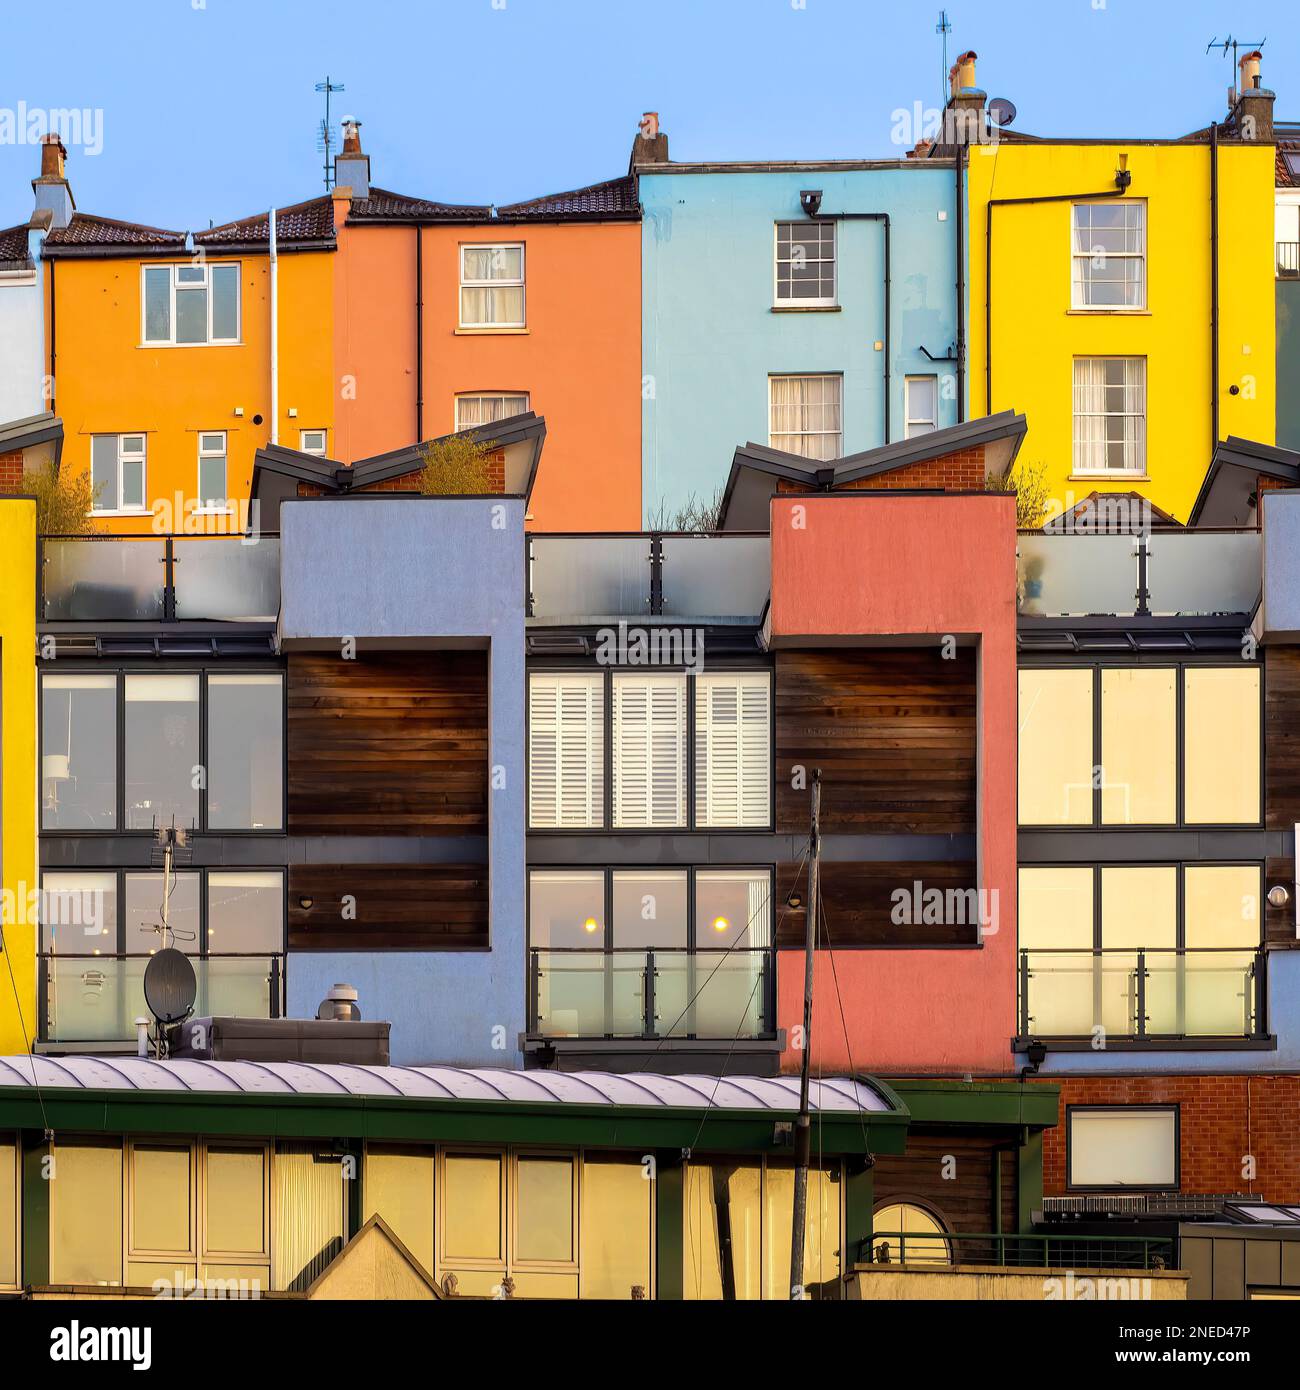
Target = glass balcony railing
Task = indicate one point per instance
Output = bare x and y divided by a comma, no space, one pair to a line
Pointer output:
159,579
1130,994
96,999
1160,574
651,993
701,578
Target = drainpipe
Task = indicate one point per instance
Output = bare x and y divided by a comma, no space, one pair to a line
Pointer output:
1122,181
275,336
1214,287
958,163
419,333
882,217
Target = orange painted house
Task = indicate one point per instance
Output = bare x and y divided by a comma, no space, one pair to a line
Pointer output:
447,316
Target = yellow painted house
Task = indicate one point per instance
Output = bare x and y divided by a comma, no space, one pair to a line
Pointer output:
160,348
1120,295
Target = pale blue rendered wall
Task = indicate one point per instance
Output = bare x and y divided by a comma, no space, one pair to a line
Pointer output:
22,338
710,337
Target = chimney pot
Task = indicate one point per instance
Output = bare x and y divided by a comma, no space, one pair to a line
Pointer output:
352,167
351,135
651,144
53,155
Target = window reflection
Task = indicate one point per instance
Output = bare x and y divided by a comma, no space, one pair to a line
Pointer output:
79,752
245,751
162,750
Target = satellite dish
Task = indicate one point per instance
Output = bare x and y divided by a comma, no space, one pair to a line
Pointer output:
1002,111
170,986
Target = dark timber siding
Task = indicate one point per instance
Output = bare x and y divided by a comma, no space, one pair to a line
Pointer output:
418,906
858,902
964,1199
893,732
388,744
1281,780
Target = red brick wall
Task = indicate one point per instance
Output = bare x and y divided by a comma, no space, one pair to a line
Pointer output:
961,471
410,482
1221,1120
11,471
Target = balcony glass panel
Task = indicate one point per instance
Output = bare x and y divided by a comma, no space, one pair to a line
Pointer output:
710,994
223,578
98,998
1076,575
104,580
722,578
575,577
1200,572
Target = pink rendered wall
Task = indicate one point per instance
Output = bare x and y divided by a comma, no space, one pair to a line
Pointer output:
851,570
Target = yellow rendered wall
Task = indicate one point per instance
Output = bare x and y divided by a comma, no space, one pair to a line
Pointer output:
1036,335
18,804
106,382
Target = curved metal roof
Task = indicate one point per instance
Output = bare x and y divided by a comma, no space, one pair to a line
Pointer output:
781,1093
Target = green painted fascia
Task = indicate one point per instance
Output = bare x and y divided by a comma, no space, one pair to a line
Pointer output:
1011,1103
453,1121
36,1211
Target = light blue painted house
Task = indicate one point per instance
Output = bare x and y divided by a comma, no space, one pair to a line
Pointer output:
808,306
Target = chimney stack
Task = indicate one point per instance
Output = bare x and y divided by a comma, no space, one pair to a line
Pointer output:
1253,112
352,168
651,144
52,189
964,121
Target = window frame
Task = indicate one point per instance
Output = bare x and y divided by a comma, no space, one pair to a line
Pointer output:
124,456
607,824
205,266
323,451
120,672
910,421
795,301
772,433
498,283
1081,306
460,396
205,507
1072,1186
1080,470
1181,667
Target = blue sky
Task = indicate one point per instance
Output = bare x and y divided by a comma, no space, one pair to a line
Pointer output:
208,108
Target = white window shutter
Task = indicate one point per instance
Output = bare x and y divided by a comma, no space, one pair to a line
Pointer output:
649,729
566,751
733,749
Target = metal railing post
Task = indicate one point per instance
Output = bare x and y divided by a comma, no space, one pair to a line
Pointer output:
1024,994
534,969
649,995
1142,994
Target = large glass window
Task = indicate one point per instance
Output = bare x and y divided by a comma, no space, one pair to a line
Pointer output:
144,909
913,1235
245,912
806,415
246,751
1132,1147
650,910
566,750
1221,745
78,913
733,765
492,286
1055,781
162,1200
399,1188
309,1213
1139,745
1110,415
649,732
472,1226
544,1209
1108,253
805,264
78,752
617,1228
189,304
85,1193
566,909
9,1196
235,1213
162,773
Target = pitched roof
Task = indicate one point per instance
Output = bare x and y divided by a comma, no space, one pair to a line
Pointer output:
383,206
1285,177
756,469
1229,495
88,235
13,244
598,201
301,224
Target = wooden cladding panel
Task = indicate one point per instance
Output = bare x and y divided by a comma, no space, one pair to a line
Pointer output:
1281,737
388,744
858,900
391,906
959,1191
893,732
1279,922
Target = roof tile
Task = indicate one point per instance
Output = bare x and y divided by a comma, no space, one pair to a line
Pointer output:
13,244
85,230
309,221
614,198
382,205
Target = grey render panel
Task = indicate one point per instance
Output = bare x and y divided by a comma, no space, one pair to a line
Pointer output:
413,572
1280,613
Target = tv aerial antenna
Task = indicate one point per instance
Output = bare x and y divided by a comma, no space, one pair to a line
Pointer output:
944,28
328,140
1233,43
170,985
